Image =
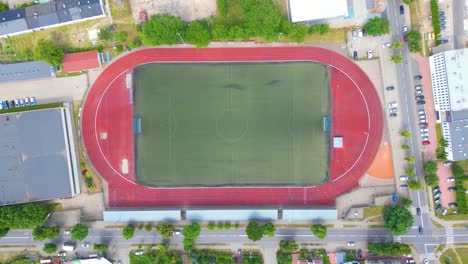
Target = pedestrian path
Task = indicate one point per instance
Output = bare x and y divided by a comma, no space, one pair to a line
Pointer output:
397,239
449,235
428,256
424,209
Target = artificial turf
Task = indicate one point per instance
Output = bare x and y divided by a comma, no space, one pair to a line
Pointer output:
231,124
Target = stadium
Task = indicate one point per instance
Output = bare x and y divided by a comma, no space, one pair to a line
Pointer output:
285,126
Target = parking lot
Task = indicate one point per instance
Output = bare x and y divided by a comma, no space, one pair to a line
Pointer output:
363,44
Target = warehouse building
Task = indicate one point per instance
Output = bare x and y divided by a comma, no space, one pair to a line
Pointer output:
449,80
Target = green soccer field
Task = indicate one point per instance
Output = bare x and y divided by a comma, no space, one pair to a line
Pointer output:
231,124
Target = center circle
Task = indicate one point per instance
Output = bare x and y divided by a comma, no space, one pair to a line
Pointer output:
231,125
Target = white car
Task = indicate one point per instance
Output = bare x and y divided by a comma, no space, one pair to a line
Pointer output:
359,33
392,110
86,245
370,54
176,233
354,34
138,253
62,254
451,179
419,92
422,112
424,134
393,104
388,44
405,28
447,163
404,178
418,87
66,232
422,120
351,244
423,130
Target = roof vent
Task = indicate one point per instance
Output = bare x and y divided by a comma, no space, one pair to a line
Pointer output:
3,18
18,15
78,3
35,14
89,7
63,5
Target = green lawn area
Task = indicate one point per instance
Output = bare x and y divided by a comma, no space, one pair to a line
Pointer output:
463,253
449,257
438,132
232,124
373,211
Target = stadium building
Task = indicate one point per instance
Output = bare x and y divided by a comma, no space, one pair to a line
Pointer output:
449,81
38,157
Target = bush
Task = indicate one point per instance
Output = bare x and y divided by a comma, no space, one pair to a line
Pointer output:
119,47
298,32
47,51
105,34
191,231
410,159
377,26
269,230
222,7
3,7
457,171
430,167
390,249
435,20
50,248
79,232
219,30
23,216
220,226
398,220
148,228
288,246
198,34
236,226
397,58
89,182
135,43
227,226
406,202
432,180
41,233
100,247
319,28
405,133
319,231
165,230
162,29
261,18
254,231
461,195
410,172
121,36
4,231
128,231
210,226
405,147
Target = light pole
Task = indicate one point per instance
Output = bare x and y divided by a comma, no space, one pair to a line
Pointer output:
279,36
178,34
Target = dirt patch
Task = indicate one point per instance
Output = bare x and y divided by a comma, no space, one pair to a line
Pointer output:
189,10
382,167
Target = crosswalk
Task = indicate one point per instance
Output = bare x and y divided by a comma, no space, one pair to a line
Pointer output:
396,239
424,209
428,256
449,235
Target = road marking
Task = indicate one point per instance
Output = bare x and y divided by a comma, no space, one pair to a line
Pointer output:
396,239
449,234
428,256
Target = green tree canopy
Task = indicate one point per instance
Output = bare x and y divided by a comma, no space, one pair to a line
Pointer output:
148,227
79,232
254,231
410,159
165,230
188,244
41,233
410,172
3,7
405,147
397,58
23,216
50,248
288,246
377,26
319,231
100,247
408,2
405,133
430,167
191,231
4,231
210,226
298,32
390,249
432,180
457,170
198,34
222,7
397,45
415,185
219,29
269,230
162,29
398,220
128,231
414,41
49,52
261,18
406,202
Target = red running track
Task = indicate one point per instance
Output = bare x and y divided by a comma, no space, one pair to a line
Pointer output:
107,130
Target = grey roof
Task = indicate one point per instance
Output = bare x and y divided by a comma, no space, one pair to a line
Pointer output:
70,14
24,71
43,20
459,139
91,10
459,115
12,15
13,26
33,157
39,10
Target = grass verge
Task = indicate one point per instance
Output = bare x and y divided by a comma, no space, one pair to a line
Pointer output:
373,211
30,108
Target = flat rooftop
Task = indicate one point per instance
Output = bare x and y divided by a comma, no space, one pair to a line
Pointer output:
307,10
35,158
456,63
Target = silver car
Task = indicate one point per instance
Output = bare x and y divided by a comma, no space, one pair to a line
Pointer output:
424,134
422,112
392,110
423,130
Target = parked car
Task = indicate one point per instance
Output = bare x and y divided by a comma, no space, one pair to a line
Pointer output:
444,212
421,102
86,245
442,22
451,179
404,178
138,253
425,138
453,205
423,129
437,195
421,231
17,103
438,208
422,112
359,33
437,200
405,28
426,142
441,13
419,97
12,103
355,55
418,211
424,134
402,10
443,41
370,54
26,101
447,164
386,45
418,92
404,186
442,27
417,77
425,261
422,121
436,189
442,17
66,232
176,233
21,101
7,104
390,88
422,125
392,110
393,114
393,104
418,87
62,254
452,189
351,244
33,100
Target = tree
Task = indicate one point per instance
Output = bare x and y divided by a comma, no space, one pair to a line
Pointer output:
210,226
414,41
219,29
405,147
406,202
100,247
457,170
410,159
390,249
41,233
49,52
377,26
319,231
261,18
135,43
198,34
79,232
430,167
50,248
254,231
415,185
398,220
162,29
23,216
269,230
220,226
165,230
298,32
397,45
3,7
191,231
432,180
188,244
148,228
410,172
405,133
408,2
227,226
222,7
4,231
397,58
288,246
128,231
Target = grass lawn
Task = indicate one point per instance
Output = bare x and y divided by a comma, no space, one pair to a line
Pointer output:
373,211
463,253
237,124
449,257
438,128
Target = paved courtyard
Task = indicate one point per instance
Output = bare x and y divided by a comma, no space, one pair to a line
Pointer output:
187,9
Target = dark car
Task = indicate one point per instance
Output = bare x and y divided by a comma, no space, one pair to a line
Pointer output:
421,231
442,17
452,205
422,102
418,211
7,104
417,77
390,88
452,189
12,103
442,22
364,33
436,189
442,27
402,10
439,207
441,13
393,114
443,41
4,104
419,97
422,125
355,56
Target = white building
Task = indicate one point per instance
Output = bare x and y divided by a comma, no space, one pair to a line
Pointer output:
308,10
449,75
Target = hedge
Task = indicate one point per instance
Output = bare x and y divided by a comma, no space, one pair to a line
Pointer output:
435,20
